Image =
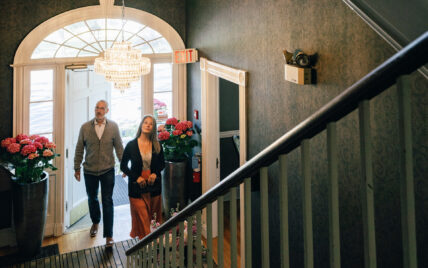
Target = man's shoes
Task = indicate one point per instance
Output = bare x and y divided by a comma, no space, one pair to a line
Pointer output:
109,242
94,230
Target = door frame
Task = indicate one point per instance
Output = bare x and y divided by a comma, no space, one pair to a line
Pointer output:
210,73
23,59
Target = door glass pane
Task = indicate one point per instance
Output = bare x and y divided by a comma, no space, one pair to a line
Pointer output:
126,110
41,117
41,85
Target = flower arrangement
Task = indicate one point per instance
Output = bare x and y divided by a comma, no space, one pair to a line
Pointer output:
28,156
176,139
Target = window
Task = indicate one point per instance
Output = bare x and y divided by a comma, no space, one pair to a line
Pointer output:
41,103
121,104
88,38
162,91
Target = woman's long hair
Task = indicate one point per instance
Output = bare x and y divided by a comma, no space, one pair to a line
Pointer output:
153,137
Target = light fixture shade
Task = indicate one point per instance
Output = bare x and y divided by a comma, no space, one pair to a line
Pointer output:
122,64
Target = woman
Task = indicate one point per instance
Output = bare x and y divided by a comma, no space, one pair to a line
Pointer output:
144,176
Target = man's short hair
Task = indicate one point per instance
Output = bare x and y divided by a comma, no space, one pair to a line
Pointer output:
105,102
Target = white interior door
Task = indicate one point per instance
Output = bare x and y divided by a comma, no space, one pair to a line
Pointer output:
84,89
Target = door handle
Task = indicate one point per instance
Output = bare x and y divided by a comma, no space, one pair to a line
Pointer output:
216,162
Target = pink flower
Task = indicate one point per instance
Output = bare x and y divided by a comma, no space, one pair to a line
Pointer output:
33,137
21,137
8,141
47,153
181,126
163,136
42,140
33,155
25,141
172,121
13,148
177,132
50,145
189,133
189,124
38,145
28,149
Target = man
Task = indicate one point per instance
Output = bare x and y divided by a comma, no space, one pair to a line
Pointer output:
98,137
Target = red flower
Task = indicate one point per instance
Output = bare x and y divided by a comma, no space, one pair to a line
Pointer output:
38,145
25,141
177,132
50,145
14,148
33,137
47,153
163,136
8,141
171,121
42,140
21,137
28,149
181,126
189,124
189,133
33,155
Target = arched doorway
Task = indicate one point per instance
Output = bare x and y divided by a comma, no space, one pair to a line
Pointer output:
30,63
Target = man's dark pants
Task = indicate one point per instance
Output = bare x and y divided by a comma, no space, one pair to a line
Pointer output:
107,184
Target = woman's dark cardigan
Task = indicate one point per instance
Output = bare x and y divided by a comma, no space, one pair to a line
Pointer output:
132,153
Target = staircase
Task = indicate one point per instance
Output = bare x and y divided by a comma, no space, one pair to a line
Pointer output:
166,248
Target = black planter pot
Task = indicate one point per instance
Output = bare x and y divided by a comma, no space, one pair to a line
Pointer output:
30,203
174,184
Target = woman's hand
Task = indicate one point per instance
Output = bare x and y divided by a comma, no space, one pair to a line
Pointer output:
151,179
142,182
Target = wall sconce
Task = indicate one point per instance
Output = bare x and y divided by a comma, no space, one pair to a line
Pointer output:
298,67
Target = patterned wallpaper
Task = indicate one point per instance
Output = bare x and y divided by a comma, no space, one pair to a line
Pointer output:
251,35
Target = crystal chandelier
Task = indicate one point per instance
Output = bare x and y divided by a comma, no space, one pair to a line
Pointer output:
122,64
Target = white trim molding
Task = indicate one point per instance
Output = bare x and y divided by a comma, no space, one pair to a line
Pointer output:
210,73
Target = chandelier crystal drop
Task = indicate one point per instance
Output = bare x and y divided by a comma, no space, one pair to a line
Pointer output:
122,64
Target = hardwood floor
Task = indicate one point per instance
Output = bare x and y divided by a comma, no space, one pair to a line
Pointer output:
80,239
226,244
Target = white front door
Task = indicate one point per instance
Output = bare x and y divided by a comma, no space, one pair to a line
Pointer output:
84,89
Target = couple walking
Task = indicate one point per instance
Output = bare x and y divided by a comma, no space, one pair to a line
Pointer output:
98,138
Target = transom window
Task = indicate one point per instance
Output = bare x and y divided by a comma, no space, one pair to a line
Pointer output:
88,38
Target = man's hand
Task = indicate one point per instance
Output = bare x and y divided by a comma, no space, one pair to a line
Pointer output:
77,175
151,179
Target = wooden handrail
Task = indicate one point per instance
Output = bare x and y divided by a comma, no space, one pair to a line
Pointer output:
406,61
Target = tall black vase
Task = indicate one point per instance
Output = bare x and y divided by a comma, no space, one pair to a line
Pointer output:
30,203
174,186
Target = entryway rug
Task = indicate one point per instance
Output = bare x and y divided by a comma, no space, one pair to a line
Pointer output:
15,258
